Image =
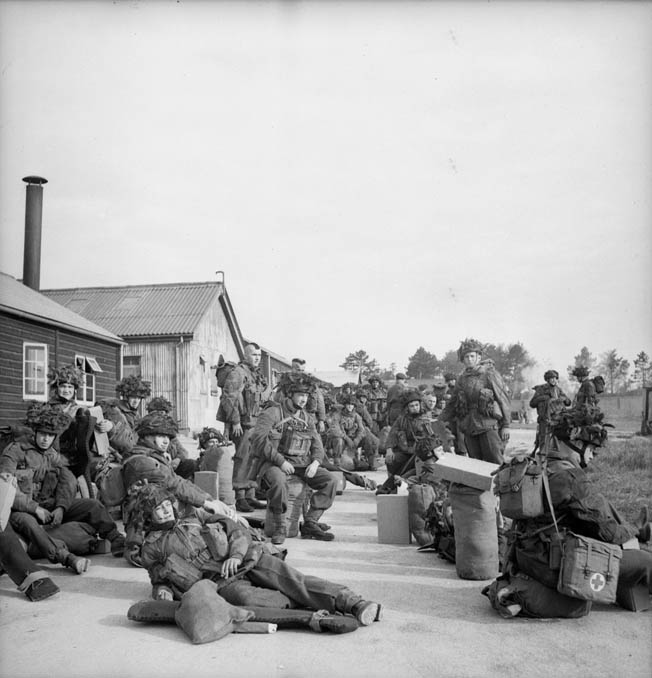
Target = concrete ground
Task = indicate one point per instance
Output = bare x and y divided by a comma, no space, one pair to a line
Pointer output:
434,623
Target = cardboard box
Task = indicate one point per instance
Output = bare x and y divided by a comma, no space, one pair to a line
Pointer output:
208,481
393,520
465,470
635,598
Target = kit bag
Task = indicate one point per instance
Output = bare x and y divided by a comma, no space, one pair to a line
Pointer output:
7,496
520,595
519,486
420,497
589,569
538,554
110,482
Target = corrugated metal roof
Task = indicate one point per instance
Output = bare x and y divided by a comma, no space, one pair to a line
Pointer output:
18,299
142,310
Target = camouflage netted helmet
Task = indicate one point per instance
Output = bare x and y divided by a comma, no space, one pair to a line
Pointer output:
449,376
160,404
207,434
374,377
47,418
133,387
301,385
157,424
580,372
148,497
68,374
412,395
348,400
361,393
469,345
550,374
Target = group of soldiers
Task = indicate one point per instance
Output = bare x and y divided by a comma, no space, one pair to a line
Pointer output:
301,428
178,532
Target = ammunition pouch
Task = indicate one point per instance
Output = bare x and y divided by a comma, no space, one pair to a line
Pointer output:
486,403
180,572
216,541
461,405
295,443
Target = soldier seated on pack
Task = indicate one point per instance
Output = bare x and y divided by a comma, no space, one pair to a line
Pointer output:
47,488
123,413
151,464
580,509
182,464
408,429
179,552
348,435
31,580
74,443
286,443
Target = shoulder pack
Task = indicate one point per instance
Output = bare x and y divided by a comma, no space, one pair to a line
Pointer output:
519,486
224,368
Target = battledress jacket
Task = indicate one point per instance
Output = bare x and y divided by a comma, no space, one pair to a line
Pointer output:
543,394
147,463
243,394
269,430
581,508
44,479
181,556
350,426
479,402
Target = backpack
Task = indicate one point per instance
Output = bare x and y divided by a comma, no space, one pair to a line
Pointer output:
519,486
110,482
224,368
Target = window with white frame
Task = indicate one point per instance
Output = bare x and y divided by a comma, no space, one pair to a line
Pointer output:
35,368
131,366
89,367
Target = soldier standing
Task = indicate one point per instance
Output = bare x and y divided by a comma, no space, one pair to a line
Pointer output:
377,404
479,405
548,399
243,394
395,398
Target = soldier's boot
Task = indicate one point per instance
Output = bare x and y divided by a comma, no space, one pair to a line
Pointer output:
250,496
241,503
278,535
37,586
77,564
367,612
295,619
117,540
644,527
310,529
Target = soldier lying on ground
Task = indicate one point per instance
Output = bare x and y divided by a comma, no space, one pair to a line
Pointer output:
150,463
179,552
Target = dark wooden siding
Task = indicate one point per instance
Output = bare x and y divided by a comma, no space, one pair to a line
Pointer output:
62,348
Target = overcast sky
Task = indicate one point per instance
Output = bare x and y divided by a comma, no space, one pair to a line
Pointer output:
376,175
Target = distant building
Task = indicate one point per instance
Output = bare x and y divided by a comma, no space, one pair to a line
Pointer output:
174,335
37,334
